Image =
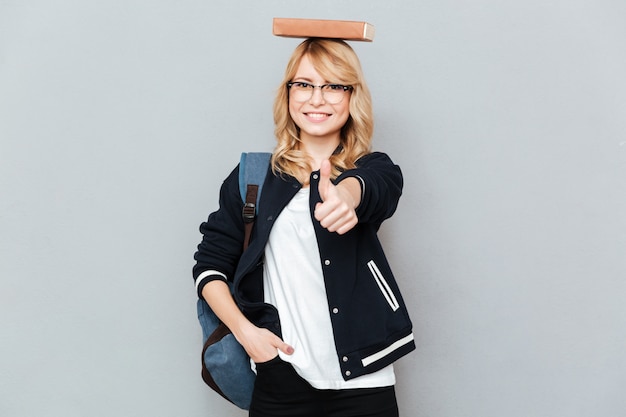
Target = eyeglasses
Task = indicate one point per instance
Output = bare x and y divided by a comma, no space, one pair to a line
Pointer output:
332,93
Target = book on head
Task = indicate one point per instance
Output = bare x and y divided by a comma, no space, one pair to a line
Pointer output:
319,28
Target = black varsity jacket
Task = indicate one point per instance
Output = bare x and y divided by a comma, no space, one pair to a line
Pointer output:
370,321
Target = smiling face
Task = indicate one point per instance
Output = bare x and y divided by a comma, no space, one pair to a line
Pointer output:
318,120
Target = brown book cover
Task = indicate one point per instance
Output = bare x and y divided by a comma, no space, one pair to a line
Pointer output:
317,28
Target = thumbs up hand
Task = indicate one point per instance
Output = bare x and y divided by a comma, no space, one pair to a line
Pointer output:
336,212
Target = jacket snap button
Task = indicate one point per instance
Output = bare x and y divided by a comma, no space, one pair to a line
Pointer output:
327,262
348,373
345,359
314,176
335,310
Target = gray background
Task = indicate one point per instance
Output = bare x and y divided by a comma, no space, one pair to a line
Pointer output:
119,119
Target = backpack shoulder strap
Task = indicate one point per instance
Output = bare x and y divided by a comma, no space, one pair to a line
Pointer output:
253,168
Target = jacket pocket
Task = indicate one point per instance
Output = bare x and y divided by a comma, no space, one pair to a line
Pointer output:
383,286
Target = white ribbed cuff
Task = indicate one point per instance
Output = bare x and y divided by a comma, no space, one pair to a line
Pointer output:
207,274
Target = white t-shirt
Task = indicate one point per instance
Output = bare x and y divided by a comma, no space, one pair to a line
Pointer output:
294,284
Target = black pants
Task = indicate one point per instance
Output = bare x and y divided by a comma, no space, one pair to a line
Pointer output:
280,392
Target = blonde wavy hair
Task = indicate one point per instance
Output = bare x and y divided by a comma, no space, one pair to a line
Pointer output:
336,61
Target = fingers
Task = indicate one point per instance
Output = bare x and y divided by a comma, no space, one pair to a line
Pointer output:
262,345
270,351
346,225
337,217
336,212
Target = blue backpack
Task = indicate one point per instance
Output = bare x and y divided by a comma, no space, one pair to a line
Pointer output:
225,363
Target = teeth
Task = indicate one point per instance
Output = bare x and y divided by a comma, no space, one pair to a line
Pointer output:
317,115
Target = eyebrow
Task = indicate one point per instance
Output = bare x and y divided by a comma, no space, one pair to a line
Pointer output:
310,81
303,79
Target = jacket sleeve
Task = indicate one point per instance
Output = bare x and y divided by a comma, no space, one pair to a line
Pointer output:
381,187
222,237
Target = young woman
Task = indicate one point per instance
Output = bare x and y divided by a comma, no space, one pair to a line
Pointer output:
316,305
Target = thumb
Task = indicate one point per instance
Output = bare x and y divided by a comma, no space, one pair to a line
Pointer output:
324,184
285,348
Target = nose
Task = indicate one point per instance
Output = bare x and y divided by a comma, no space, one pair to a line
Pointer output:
317,97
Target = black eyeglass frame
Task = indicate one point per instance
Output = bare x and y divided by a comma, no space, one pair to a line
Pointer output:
321,87
340,88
